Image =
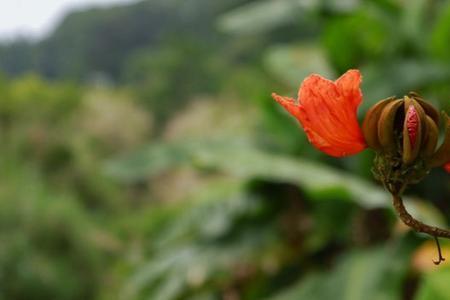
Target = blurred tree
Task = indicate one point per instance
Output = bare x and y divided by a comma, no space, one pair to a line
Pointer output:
17,57
96,40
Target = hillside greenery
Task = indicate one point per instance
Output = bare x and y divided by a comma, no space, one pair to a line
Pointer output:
143,158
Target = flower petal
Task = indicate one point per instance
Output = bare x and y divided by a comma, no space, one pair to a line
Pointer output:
447,167
327,112
288,103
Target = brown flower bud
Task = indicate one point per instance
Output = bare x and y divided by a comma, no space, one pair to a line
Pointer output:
370,124
442,155
404,133
388,132
431,139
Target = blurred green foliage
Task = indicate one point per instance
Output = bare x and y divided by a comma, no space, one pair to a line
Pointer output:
142,156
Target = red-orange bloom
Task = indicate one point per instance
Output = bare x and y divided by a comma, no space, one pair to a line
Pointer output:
447,167
327,113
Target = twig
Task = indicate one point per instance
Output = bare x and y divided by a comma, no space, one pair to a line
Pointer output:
440,258
419,226
415,224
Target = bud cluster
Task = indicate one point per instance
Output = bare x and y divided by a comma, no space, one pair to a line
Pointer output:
404,133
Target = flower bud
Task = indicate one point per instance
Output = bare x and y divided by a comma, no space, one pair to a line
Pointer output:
404,133
414,127
388,132
370,124
442,155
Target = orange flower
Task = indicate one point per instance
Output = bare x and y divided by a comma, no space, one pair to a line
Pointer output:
327,113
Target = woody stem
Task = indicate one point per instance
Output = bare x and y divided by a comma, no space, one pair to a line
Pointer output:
419,226
415,224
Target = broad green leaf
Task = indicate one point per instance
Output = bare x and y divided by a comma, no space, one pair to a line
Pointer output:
342,5
414,21
440,37
150,161
435,285
371,274
262,16
292,64
243,161
400,77
355,38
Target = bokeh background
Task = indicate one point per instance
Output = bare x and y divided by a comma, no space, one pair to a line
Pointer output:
141,156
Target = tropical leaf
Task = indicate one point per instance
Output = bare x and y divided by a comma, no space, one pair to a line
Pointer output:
292,63
262,16
435,285
362,274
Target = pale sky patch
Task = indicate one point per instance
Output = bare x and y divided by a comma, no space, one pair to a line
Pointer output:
36,18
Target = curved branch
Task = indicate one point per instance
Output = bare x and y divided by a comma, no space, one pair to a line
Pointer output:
415,224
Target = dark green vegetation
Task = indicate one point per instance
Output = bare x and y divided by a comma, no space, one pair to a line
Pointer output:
142,157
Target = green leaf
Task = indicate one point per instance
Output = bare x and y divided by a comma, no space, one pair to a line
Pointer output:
149,161
440,37
262,16
241,160
367,274
292,64
400,77
435,285
244,162
345,6
356,38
